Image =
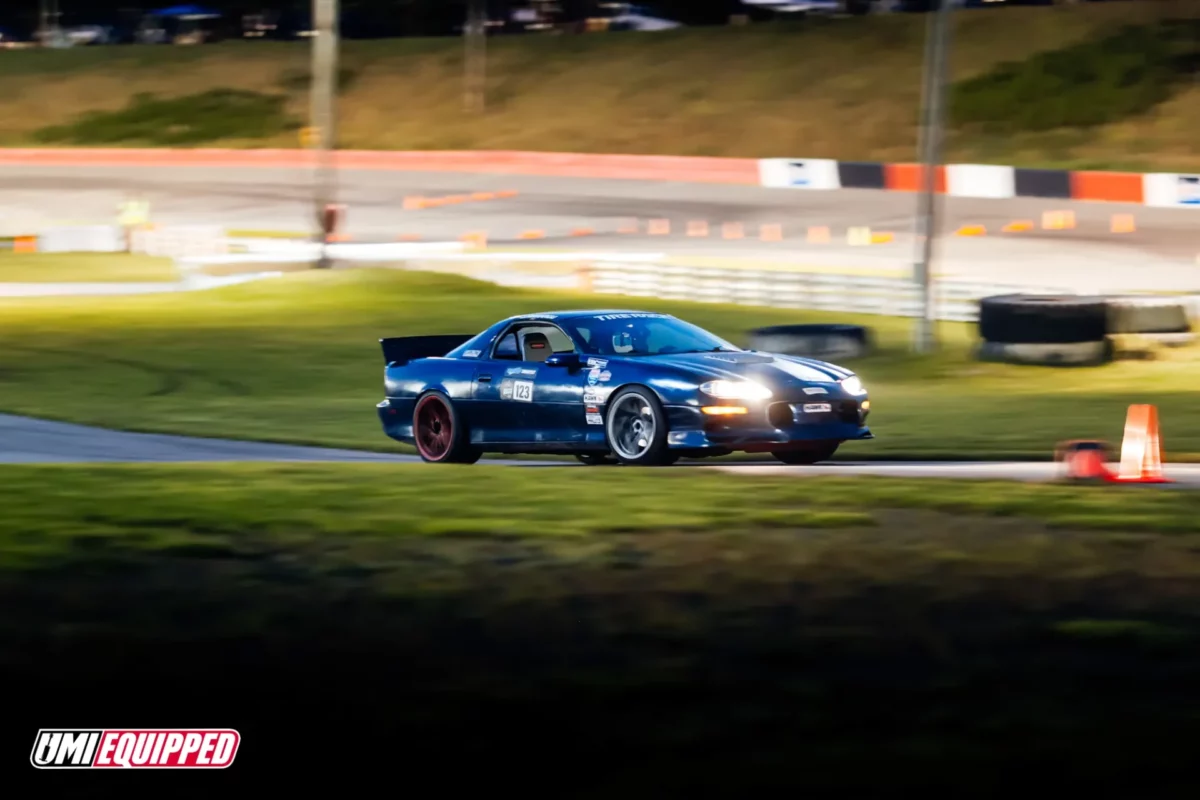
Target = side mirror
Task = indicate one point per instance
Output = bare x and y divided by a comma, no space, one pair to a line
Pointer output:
568,360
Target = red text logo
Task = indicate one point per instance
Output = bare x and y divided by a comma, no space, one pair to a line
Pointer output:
136,748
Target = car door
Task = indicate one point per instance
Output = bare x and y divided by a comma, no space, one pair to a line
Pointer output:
499,419
557,393
521,399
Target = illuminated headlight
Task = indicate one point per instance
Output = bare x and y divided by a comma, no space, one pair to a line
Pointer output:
853,386
736,390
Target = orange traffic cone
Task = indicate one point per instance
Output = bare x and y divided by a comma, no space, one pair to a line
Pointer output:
1141,449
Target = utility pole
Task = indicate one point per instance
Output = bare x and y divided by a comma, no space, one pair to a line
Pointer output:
324,114
475,58
933,103
48,22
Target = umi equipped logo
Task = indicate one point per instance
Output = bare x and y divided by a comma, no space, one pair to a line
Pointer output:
134,748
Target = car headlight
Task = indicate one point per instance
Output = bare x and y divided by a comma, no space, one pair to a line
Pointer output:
736,390
853,385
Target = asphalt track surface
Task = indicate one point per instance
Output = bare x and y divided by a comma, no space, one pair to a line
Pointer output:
32,441
1161,254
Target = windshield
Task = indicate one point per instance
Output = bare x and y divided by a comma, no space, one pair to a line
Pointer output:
642,335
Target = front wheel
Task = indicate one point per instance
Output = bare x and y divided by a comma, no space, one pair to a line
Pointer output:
440,436
820,451
636,428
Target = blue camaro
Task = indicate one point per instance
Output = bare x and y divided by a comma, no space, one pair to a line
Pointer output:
631,386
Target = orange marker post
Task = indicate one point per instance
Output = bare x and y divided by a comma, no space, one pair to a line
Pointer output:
1058,220
659,227
770,233
1123,223
819,235
697,228
732,230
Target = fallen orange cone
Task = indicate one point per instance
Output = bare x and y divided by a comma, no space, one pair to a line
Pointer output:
1141,449
1085,459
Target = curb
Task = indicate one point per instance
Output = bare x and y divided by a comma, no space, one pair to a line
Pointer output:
1159,189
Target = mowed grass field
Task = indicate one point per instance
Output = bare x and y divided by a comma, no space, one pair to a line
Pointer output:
84,268
296,359
688,630
846,89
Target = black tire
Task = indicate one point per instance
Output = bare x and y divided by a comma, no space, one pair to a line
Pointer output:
439,434
813,341
820,451
1043,319
1163,319
595,459
625,443
1047,330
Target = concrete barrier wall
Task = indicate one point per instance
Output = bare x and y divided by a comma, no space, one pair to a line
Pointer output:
961,180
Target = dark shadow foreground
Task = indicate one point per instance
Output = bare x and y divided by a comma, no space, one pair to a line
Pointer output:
599,682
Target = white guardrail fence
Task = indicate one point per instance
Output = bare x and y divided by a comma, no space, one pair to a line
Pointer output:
635,275
956,301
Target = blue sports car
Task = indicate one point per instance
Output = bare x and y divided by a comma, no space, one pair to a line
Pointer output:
627,386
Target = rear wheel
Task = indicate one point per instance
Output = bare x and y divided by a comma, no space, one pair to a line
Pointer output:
820,451
439,435
636,428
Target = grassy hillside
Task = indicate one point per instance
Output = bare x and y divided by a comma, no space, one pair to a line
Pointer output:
844,89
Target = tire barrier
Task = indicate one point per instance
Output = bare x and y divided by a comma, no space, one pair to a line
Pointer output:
1054,330
813,341
1075,354
1161,319
1064,330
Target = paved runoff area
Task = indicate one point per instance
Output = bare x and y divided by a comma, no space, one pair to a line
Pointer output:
33,441
1154,250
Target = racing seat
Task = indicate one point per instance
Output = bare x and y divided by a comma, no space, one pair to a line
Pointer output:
535,346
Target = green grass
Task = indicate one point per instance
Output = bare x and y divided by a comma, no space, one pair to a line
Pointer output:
152,121
53,512
84,268
839,88
640,618
296,359
1086,85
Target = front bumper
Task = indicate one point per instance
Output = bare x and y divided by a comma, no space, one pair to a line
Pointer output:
773,426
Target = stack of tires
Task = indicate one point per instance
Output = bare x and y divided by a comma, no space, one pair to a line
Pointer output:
1068,330
825,342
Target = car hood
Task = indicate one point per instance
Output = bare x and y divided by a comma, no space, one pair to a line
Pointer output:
777,372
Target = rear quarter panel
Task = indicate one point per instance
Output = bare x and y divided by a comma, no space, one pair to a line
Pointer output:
404,384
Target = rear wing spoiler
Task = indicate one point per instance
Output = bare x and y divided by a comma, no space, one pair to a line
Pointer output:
402,349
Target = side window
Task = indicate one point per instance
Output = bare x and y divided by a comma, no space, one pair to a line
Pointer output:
506,348
559,341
